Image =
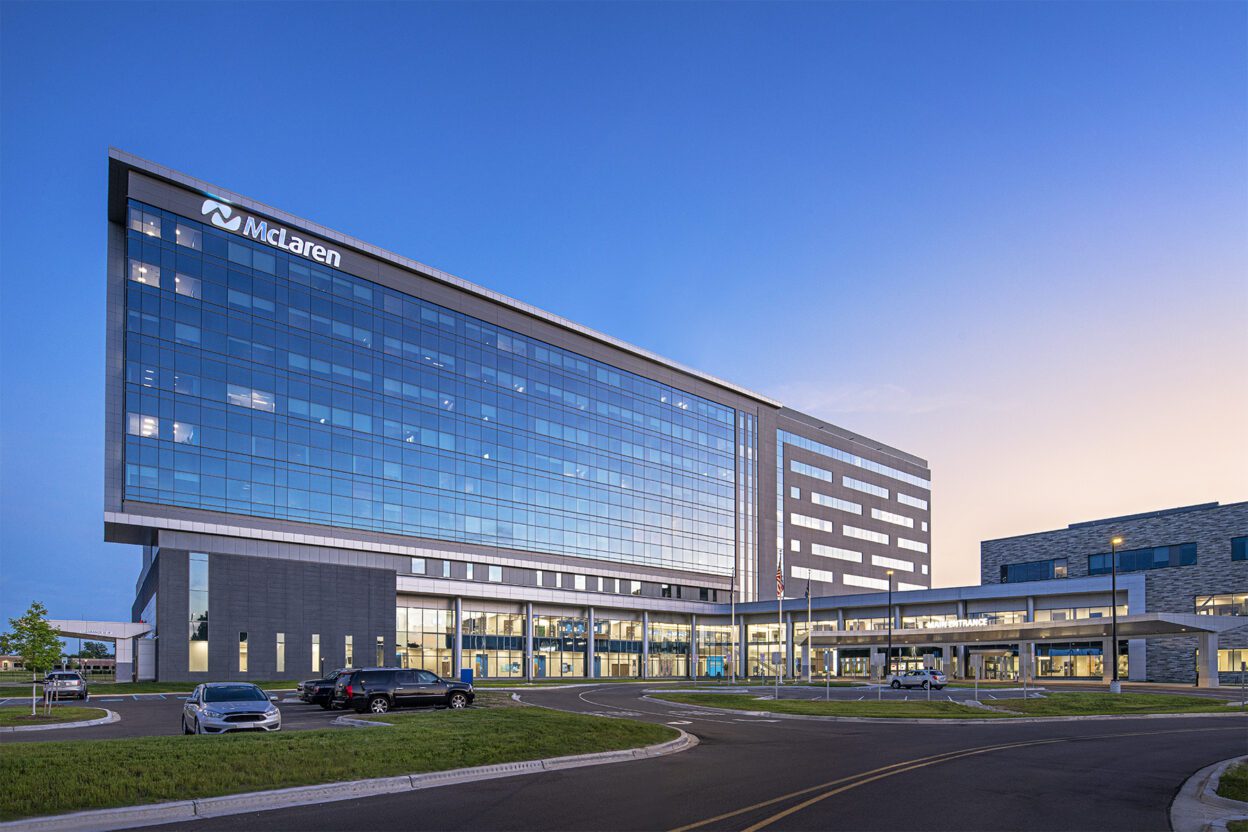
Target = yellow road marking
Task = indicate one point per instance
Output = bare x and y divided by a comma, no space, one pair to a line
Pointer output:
852,781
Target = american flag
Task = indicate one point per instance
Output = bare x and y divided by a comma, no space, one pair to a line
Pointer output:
779,576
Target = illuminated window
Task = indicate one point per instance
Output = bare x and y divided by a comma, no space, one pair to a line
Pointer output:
138,424
144,273
184,284
145,222
184,235
185,433
242,652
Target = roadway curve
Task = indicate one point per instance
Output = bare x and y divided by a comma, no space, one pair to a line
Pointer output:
751,773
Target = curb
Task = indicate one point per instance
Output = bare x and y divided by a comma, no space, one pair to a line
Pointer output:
952,720
1197,806
126,817
110,716
352,722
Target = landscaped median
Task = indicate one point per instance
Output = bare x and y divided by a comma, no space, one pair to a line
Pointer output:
57,777
1051,705
124,688
19,716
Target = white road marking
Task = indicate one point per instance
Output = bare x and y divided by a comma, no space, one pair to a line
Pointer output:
756,720
860,698
681,722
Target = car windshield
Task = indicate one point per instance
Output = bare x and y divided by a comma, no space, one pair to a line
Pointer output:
234,693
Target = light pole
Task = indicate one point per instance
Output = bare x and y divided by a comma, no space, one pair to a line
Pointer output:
1115,686
888,660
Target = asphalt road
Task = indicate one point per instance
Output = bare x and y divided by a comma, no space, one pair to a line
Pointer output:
753,773
148,715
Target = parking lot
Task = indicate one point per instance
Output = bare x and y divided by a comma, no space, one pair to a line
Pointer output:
154,714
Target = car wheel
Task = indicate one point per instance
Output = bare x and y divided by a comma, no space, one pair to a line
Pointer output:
926,685
896,685
458,701
325,706
199,729
939,687
185,730
379,704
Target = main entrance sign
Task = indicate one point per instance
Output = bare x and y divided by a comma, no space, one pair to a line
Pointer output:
223,216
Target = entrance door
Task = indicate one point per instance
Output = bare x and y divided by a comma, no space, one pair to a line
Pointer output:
539,666
481,666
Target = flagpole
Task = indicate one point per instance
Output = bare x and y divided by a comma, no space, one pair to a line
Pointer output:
780,612
810,648
732,656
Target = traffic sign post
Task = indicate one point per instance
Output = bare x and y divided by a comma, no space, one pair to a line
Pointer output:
827,674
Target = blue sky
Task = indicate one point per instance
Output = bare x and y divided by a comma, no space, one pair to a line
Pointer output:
1011,238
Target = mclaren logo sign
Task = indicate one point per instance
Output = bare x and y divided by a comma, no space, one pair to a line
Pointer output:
223,216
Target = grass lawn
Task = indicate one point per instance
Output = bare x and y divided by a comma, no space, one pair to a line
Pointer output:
20,715
54,777
819,707
114,688
1237,826
1054,704
1234,784
1088,703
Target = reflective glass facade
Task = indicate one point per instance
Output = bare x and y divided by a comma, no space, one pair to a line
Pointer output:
261,384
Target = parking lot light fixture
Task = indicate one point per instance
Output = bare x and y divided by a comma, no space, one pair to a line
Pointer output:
1115,686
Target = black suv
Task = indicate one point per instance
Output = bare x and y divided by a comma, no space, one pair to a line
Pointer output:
321,691
378,689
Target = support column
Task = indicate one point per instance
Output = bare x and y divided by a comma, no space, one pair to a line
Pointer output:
645,644
806,656
743,648
528,641
589,645
788,646
693,646
1207,661
1031,608
1107,660
1137,660
457,648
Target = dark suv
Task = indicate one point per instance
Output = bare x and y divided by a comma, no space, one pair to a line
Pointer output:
378,689
321,691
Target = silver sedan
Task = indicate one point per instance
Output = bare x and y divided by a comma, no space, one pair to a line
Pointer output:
220,707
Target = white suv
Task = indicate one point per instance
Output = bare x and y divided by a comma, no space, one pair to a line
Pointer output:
917,679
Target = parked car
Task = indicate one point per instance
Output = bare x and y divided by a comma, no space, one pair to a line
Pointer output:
220,707
379,689
321,691
918,679
66,684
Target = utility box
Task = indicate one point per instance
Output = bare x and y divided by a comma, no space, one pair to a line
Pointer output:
465,675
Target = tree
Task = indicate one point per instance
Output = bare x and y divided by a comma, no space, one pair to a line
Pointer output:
93,650
37,643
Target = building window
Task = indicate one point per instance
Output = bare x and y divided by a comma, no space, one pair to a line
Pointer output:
823,575
381,651
1139,560
145,273
185,433
558,580
469,571
1228,604
892,563
835,552
578,582
863,581
890,517
634,587
539,577
418,566
446,569
1036,570
348,651
913,502
864,487
917,546
1232,661
704,594
198,587
140,424
184,235
316,652
665,590
795,492
184,284
795,545
865,534
1239,548
242,652
281,652
145,222
836,503
495,574
812,523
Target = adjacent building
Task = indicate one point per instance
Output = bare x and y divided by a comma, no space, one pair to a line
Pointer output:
334,455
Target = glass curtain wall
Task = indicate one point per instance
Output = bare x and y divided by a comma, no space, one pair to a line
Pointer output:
714,650
424,639
1076,660
669,649
260,383
493,644
559,645
816,655
617,648
764,644
198,584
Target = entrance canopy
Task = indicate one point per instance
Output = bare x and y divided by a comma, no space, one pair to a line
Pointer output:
1148,625
122,633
